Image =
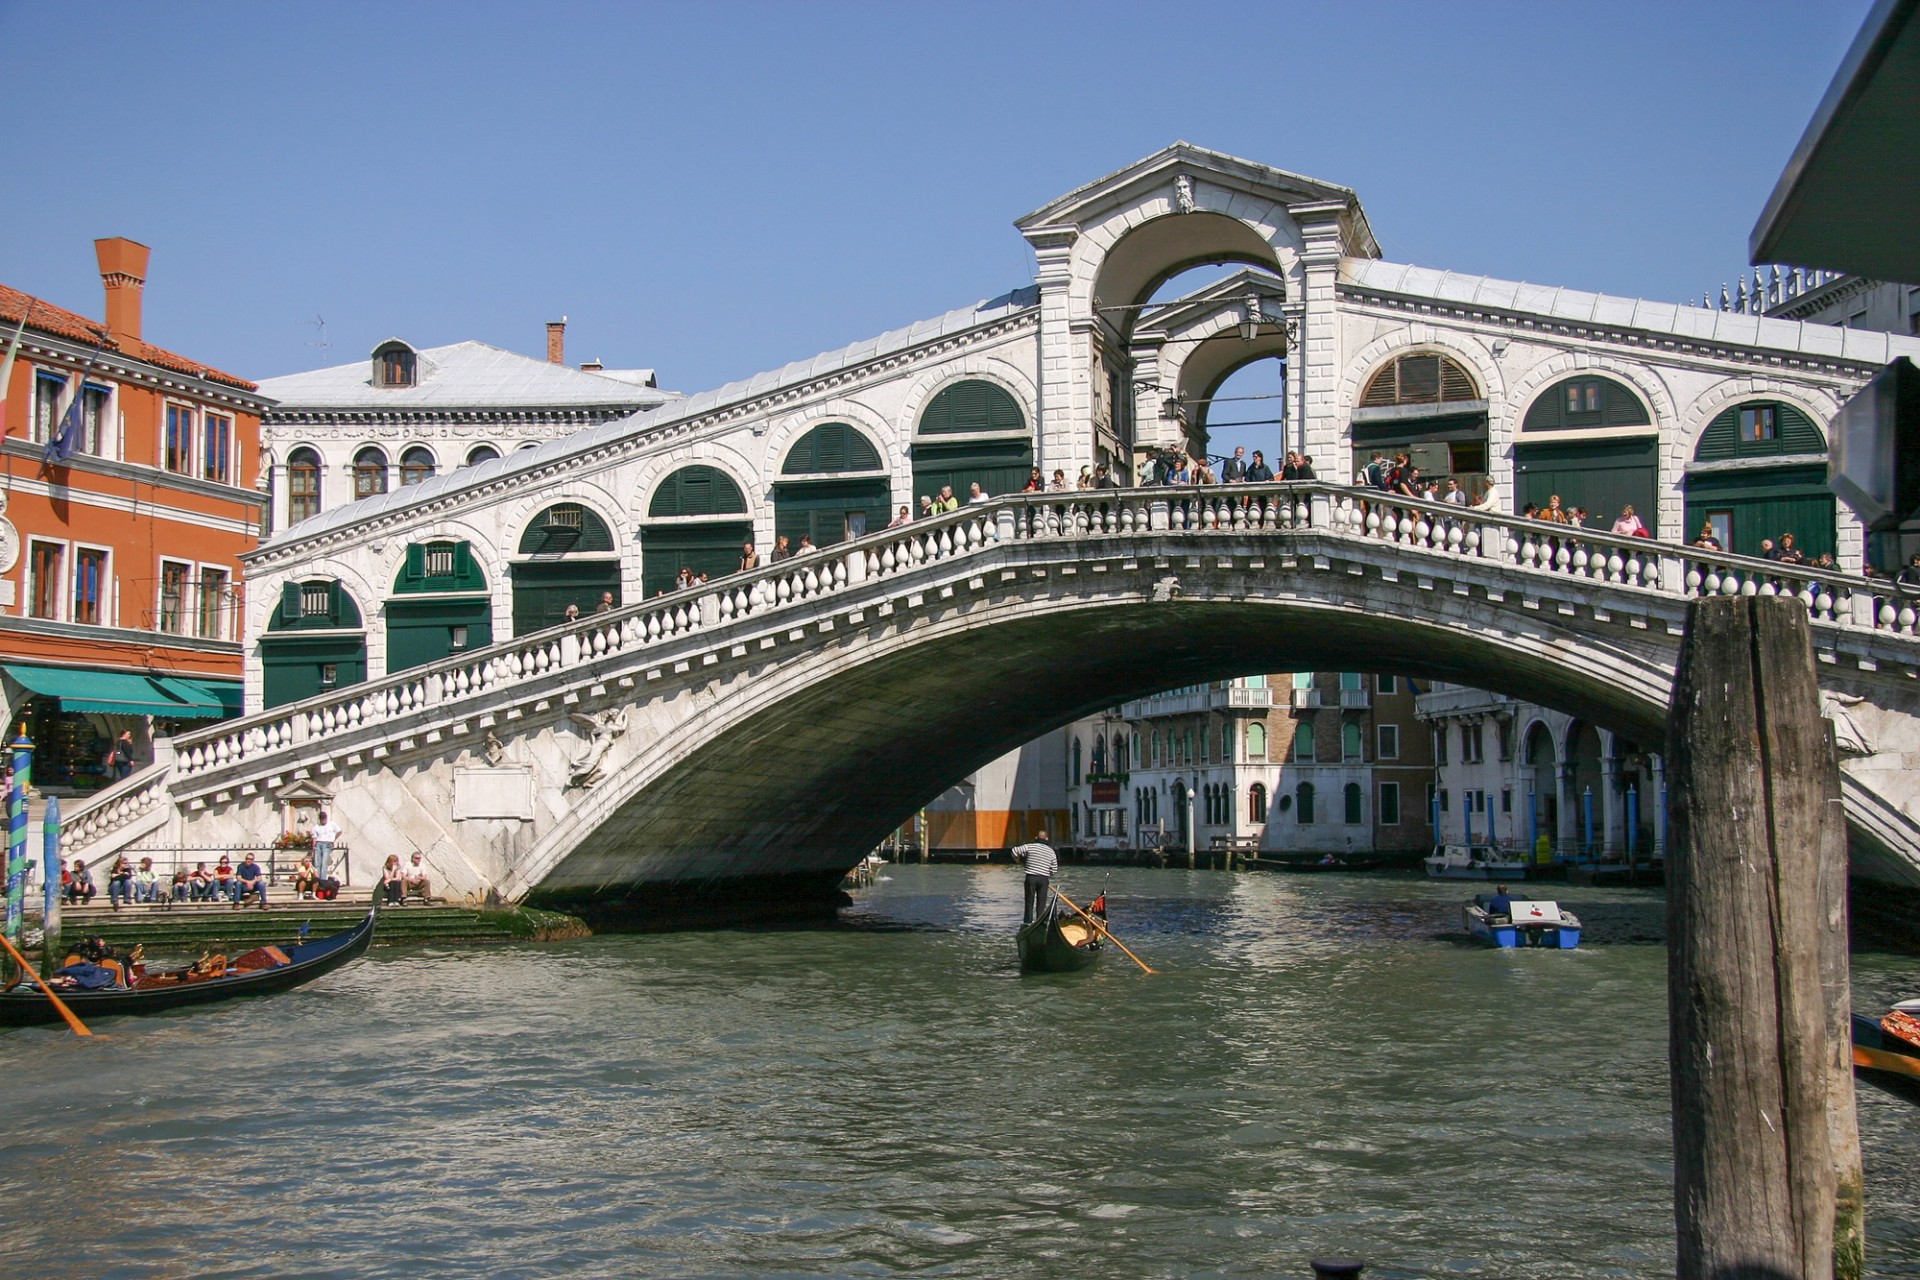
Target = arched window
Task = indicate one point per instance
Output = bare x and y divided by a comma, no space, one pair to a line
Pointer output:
481,453
1746,500
1134,753
1189,744
1256,742
416,464
1354,802
564,528
1586,401
1303,804
972,407
303,484
1159,747
1350,742
697,491
1425,378
830,448
395,365
369,472
1303,742
1257,802
1099,753
1076,763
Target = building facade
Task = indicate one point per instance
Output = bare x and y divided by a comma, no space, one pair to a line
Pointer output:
120,577
1525,777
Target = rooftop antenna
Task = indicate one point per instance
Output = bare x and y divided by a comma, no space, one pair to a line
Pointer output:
319,323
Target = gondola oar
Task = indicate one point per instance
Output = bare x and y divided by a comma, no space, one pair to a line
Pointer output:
1104,932
79,1027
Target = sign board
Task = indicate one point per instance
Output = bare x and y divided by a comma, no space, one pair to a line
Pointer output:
1107,792
505,793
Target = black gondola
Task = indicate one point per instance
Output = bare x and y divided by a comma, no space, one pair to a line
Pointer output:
27,1005
1060,941
1884,1059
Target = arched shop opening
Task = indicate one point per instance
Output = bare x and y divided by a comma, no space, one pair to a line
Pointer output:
1760,470
832,486
1427,406
971,433
1591,441
568,558
697,520
315,643
440,606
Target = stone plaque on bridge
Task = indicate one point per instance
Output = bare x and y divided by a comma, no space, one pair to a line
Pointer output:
493,793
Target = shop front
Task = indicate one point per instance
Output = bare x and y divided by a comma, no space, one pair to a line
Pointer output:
73,714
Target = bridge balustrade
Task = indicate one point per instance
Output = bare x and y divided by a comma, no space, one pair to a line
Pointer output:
1423,530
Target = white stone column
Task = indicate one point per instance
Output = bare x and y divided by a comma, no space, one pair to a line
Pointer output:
1054,432
1315,366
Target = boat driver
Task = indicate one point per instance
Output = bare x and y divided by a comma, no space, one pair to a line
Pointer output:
1041,862
1500,904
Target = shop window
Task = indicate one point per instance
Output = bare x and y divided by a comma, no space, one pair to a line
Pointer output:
416,464
43,578
48,388
1389,804
95,404
217,438
89,579
369,472
213,603
174,577
177,446
303,485
329,675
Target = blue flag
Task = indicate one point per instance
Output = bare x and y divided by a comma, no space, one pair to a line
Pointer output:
64,438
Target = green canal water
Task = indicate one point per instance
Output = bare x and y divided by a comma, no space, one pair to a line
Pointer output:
1321,1066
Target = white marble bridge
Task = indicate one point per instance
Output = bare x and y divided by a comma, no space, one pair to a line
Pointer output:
773,727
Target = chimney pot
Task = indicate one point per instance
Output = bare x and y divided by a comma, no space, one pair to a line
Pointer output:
557,341
123,270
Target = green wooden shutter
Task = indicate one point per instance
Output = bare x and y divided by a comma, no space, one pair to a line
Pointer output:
416,562
290,603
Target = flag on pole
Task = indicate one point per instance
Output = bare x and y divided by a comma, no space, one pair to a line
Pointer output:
6,366
63,438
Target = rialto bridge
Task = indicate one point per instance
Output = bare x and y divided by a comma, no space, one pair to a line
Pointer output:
770,720
770,727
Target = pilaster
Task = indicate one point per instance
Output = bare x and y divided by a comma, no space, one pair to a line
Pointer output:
1315,366
1061,353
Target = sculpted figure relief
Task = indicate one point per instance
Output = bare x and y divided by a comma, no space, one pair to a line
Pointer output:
602,728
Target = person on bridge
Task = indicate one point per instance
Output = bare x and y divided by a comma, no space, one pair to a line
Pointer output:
946,501
1041,862
1258,472
1235,469
750,558
1630,524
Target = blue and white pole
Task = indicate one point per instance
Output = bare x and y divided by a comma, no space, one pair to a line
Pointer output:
1586,808
50,952
1633,820
17,836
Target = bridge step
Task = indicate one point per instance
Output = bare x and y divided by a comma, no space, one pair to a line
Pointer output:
188,930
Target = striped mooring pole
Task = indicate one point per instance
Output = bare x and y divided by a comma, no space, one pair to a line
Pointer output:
17,840
50,953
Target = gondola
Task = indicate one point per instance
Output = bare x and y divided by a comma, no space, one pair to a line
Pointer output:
1060,941
1884,1059
27,1005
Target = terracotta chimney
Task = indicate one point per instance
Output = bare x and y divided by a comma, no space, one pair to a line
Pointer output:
557,341
123,269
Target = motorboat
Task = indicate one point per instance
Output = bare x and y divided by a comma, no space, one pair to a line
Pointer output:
1475,862
1524,924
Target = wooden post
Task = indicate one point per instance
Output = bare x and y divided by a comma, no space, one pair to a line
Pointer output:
1766,1158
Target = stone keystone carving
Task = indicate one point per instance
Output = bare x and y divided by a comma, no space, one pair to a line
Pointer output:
1183,193
602,728
496,750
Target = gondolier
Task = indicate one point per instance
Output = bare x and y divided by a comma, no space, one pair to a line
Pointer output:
1041,862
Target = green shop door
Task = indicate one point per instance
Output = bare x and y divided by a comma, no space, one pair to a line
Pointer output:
542,592
712,549
827,510
1601,475
423,631
296,667
999,466
1754,505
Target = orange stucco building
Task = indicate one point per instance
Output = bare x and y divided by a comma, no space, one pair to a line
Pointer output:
119,561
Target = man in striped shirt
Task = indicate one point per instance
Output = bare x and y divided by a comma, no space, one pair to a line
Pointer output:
1041,862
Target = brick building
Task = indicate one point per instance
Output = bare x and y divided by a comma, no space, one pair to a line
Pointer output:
119,563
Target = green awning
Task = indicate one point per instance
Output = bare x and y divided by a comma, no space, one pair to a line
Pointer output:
194,694
227,694
116,693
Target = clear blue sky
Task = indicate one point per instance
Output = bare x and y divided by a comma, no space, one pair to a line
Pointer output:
716,189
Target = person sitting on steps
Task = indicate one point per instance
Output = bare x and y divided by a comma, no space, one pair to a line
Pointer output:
414,881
